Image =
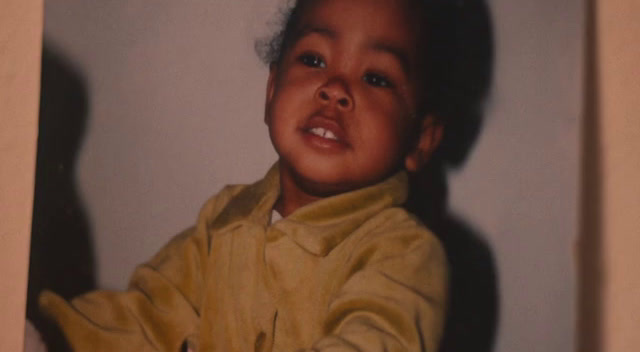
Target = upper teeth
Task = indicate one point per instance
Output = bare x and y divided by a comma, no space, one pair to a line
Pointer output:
324,133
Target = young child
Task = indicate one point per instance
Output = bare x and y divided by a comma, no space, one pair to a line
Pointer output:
318,255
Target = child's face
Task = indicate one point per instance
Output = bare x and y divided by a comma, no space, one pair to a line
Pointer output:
341,103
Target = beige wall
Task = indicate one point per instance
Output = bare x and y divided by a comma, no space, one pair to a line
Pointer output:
176,97
519,188
618,58
20,43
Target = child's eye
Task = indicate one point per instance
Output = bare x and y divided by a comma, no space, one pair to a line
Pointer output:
312,60
377,80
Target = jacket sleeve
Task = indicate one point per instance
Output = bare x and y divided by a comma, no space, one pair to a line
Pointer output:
161,306
396,302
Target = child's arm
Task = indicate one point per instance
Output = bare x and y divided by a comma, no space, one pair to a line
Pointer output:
158,311
396,302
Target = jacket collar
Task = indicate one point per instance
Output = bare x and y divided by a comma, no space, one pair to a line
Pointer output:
320,226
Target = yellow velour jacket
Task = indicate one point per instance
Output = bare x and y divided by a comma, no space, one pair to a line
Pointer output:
353,272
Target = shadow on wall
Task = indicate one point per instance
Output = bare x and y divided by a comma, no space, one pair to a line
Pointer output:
61,257
462,72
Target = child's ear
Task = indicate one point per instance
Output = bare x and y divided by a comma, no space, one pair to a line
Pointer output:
428,140
271,81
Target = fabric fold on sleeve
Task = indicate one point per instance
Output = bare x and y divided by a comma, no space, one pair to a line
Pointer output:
394,303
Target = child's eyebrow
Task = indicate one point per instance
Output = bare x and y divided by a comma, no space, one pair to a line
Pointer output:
400,54
375,45
323,31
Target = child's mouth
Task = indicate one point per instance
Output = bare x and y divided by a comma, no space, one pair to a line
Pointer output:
324,133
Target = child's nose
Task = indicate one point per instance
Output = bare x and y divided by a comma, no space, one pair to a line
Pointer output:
336,92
